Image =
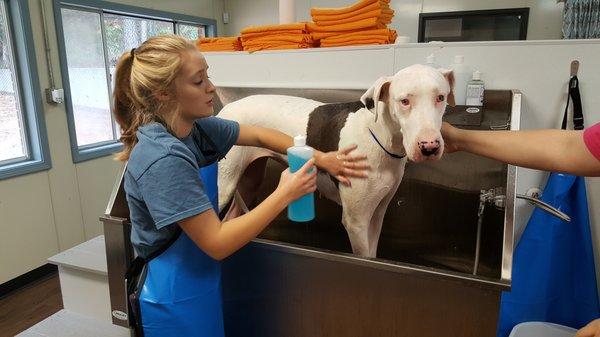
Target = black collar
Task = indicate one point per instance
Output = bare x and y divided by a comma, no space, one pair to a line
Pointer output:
383,148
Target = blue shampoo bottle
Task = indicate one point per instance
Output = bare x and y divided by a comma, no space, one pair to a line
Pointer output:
303,209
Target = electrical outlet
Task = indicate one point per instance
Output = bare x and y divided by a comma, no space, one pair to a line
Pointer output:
54,95
225,17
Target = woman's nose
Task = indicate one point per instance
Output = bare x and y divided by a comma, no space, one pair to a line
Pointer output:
210,87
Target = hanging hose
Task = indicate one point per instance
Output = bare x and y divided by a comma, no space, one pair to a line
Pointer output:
478,244
484,197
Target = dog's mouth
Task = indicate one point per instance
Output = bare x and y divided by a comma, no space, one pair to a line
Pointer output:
418,156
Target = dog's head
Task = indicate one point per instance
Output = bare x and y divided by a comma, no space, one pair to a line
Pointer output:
415,98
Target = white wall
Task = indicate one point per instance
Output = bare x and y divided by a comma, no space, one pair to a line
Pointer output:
44,213
545,16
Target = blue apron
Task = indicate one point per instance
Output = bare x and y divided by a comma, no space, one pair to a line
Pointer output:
554,278
179,290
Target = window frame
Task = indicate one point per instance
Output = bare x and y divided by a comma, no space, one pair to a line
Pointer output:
29,94
96,150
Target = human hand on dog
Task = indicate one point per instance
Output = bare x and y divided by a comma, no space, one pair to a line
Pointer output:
342,165
450,134
303,181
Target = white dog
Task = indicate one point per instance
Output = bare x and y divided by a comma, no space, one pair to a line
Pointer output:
399,116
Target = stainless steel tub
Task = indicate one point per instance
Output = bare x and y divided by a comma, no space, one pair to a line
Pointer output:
302,280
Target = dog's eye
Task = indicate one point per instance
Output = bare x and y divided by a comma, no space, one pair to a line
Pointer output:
405,101
440,98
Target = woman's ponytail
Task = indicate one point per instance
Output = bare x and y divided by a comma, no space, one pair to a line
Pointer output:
123,106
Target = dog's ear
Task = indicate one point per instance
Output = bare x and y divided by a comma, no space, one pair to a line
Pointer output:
378,92
449,75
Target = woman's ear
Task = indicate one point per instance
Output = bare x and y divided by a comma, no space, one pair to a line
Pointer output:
163,96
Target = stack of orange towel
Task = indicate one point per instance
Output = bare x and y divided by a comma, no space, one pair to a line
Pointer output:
365,22
219,44
287,36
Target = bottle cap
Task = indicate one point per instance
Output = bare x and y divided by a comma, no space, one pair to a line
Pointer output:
459,59
477,75
300,140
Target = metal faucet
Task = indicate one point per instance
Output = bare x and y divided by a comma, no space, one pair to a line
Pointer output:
497,197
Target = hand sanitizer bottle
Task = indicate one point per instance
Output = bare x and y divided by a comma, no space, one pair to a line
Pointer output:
302,209
475,89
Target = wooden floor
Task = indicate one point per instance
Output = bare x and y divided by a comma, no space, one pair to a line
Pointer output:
29,305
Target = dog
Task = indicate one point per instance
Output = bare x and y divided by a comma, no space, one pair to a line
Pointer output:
398,118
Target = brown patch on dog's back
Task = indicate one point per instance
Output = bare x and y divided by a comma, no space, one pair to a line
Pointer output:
324,126
326,122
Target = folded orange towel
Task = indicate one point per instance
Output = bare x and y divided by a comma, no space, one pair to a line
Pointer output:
349,9
208,48
218,39
372,33
247,36
258,29
267,46
354,15
339,38
371,7
281,38
352,43
219,44
384,18
374,36
369,23
324,35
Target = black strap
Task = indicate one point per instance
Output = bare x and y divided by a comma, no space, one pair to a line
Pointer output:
205,137
138,263
386,151
577,108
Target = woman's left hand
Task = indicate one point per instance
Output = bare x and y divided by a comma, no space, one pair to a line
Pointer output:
343,166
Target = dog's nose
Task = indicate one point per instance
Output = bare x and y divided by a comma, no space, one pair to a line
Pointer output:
429,148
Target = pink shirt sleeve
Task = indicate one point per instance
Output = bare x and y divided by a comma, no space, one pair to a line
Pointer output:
591,137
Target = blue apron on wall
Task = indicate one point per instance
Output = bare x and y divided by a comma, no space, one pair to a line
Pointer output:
553,275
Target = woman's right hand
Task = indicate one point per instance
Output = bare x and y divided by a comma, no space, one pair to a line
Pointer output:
303,181
590,330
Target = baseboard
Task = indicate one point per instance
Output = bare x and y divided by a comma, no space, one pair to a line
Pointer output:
19,282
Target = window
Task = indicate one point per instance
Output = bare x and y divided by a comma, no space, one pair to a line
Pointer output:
23,141
192,32
480,25
13,143
92,36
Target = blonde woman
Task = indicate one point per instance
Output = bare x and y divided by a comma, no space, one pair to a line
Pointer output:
163,102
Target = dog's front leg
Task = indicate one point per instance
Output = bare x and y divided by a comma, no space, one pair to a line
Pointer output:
356,222
377,221
358,208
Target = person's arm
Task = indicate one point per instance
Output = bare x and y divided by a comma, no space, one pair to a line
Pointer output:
221,239
590,330
340,164
548,150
